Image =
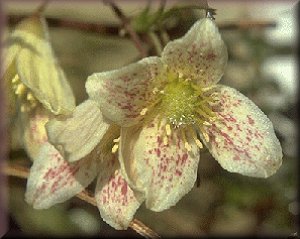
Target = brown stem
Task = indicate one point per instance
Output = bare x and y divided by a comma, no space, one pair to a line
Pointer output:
136,225
127,26
112,29
246,24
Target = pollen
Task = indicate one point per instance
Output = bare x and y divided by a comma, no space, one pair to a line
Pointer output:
115,148
168,129
23,94
187,146
165,140
20,89
144,111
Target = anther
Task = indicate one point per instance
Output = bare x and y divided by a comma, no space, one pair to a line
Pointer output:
20,89
15,79
168,129
144,111
206,137
115,148
23,108
29,97
155,90
116,140
199,144
187,146
206,123
165,140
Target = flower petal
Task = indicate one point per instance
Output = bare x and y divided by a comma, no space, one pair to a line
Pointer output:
123,93
31,26
38,69
165,173
116,201
200,55
53,180
243,139
35,134
78,135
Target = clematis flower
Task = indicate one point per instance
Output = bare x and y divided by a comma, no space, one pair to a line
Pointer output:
85,141
167,109
36,85
170,106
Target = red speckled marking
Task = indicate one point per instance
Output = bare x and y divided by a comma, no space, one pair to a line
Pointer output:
125,92
242,133
200,55
164,172
115,199
52,179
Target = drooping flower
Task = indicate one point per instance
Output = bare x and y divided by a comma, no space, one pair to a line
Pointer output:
36,85
85,140
165,107
169,106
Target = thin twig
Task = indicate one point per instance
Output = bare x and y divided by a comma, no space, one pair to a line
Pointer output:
127,26
156,42
113,29
136,225
246,24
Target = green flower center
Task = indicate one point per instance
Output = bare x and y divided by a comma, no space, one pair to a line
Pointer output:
178,103
185,107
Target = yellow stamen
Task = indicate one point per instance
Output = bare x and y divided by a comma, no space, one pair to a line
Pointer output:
187,146
199,144
155,90
115,148
206,123
186,143
116,140
15,79
168,129
144,111
195,138
206,137
20,89
165,140
30,97
23,108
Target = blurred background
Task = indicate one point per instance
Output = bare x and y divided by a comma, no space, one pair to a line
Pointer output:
262,65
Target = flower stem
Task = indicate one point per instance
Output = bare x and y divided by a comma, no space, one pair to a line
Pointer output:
156,42
136,225
127,26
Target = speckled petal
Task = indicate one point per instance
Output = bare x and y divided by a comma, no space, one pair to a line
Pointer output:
77,135
164,173
200,55
54,180
243,139
123,93
116,201
35,134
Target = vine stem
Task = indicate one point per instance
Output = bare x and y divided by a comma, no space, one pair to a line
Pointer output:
127,26
135,224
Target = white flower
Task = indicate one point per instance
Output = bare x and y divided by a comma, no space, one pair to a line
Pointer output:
166,105
36,84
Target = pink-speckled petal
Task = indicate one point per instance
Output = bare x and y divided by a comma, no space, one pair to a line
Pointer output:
54,180
164,173
243,139
123,93
77,136
200,55
35,135
116,201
